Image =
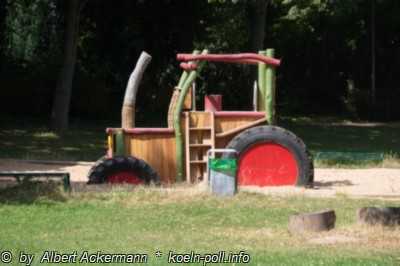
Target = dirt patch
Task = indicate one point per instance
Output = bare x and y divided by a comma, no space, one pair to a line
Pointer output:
375,182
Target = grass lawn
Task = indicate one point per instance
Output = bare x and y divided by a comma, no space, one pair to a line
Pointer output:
37,218
333,135
86,140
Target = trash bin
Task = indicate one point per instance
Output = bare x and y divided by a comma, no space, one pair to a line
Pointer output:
222,171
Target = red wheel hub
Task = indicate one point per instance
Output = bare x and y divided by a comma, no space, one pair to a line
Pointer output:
124,177
267,164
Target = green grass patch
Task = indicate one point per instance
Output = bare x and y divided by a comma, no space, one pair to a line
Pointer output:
147,220
353,143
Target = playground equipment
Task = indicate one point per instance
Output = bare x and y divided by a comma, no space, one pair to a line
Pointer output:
267,154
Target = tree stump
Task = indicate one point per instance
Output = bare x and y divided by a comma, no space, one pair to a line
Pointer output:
386,216
312,222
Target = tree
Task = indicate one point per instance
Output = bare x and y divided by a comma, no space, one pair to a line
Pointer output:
62,95
3,15
257,13
373,83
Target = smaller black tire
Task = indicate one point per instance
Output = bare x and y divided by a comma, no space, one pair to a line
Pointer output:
104,168
273,134
98,162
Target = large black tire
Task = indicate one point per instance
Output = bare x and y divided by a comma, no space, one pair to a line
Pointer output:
104,168
267,134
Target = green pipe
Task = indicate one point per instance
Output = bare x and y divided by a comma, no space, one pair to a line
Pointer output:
270,90
119,143
183,78
177,119
261,85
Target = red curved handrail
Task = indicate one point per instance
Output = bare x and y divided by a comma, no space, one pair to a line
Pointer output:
244,58
188,66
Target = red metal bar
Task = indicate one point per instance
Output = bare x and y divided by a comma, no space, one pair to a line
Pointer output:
245,58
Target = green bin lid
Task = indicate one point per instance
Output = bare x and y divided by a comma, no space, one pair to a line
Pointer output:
222,164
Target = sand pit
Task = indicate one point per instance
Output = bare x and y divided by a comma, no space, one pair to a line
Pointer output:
374,182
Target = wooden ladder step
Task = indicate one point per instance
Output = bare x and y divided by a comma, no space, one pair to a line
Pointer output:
200,128
198,162
199,145
199,132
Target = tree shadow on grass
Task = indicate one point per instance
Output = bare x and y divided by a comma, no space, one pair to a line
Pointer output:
30,192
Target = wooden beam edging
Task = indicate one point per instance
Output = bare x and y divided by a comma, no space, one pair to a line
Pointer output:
177,118
238,129
51,162
17,174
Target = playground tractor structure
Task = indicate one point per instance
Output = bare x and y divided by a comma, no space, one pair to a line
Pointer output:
268,155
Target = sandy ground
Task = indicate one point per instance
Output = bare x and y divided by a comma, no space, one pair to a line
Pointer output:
374,182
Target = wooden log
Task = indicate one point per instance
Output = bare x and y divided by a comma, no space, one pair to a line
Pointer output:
312,222
386,216
128,106
269,90
128,116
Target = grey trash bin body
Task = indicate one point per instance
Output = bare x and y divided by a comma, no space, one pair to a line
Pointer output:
222,172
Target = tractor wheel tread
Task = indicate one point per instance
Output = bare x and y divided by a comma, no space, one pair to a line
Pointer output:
100,171
260,134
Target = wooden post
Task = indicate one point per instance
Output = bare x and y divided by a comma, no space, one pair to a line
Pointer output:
194,107
270,90
255,96
128,106
261,85
385,216
312,222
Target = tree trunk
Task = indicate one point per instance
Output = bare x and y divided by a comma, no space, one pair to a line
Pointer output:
373,55
3,15
257,12
62,96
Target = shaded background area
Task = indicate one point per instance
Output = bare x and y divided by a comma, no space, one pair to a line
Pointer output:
325,48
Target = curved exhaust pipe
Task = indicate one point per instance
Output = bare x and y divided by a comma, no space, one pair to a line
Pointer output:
128,106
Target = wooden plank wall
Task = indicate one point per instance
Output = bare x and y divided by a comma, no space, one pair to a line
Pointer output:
225,123
158,150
